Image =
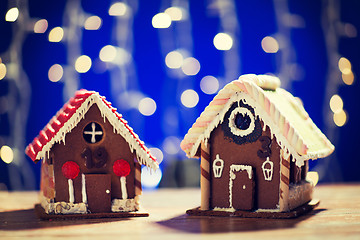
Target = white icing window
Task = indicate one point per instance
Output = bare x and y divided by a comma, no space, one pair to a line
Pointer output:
241,122
93,133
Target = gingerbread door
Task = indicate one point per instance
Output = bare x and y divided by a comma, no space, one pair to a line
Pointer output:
98,192
241,187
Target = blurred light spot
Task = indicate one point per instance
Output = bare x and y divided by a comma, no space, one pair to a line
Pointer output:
161,20
336,104
93,23
344,65
209,85
156,152
175,13
223,41
348,78
313,177
189,98
340,118
83,64
55,73
2,70
190,66
56,34
270,45
150,179
174,60
12,15
107,53
350,30
41,26
6,154
171,145
147,106
129,99
122,56
118,9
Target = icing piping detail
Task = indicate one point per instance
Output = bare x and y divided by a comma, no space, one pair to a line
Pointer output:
218,166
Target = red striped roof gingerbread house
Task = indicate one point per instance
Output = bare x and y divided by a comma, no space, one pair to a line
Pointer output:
254,140
91,159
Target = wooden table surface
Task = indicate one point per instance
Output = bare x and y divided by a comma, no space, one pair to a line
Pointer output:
337,217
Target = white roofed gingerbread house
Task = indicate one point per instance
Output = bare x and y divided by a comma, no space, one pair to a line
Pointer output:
91,159
254,140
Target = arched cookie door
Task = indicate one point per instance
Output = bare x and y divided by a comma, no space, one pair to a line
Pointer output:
241,187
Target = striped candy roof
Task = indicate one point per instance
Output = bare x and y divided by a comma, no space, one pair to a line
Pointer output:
288,121
72,113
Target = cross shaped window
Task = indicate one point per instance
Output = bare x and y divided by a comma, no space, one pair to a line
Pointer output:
93,133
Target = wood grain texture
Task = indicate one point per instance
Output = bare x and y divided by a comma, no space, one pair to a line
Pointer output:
337,217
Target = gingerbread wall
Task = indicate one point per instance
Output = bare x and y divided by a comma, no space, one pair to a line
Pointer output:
116,148
266,193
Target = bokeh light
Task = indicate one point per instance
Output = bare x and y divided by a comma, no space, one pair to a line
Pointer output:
175,13
56,34
118,9
189,98
55,73
340,118
12,15
171,145
161,20
83,64
190,66
41,26
93,23
223,41
150,179
107,53
336,103
348,78
209,85
270,45
344,65
2,70
174,60
147,106
6,154
157,153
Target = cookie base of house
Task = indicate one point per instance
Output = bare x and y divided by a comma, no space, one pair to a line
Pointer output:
301,210
40,213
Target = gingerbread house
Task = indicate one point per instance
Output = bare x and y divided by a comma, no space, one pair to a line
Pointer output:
91,159
255,140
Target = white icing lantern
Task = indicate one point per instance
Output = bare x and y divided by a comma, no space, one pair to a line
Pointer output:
218,166
267,168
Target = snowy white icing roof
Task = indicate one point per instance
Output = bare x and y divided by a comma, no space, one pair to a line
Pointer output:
287,119
72,113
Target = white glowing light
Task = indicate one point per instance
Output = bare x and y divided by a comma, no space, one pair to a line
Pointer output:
270,45
118,9
161,20
157,153
122,56
83,64
93,23
41,26
171,145
209,85
189,98
313,177
344,65
175,13
150,179
340,118
107,53
56,34
55,73
190,66
12,15
147,106
6,154
2,70
336,104
174,60
223,41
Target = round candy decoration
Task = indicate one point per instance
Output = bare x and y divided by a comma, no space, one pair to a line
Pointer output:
121,168
70,170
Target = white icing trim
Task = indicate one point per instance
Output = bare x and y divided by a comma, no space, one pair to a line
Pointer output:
125,205
118,126
232,125
224,209
233,168
268,172
218,169
83,188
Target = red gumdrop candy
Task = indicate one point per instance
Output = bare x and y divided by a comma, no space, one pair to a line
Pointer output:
121,168
70,170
